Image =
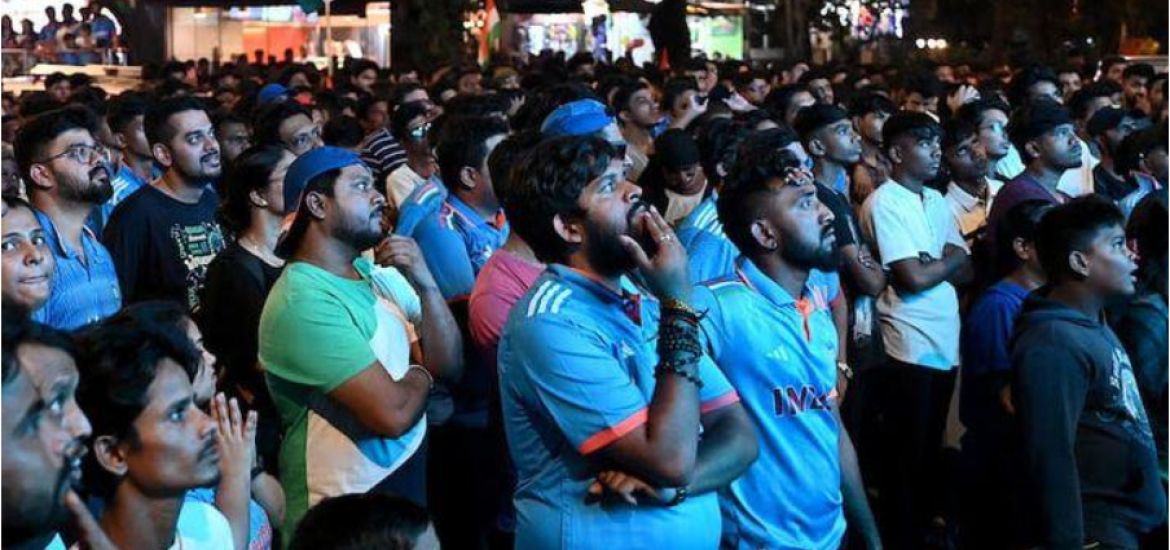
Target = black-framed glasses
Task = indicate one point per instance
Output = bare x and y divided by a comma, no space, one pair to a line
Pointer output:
80,154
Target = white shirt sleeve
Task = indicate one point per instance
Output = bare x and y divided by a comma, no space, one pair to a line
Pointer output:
891,234
203,527
391,284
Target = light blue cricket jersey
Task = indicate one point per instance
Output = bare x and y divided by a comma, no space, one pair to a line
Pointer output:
780,354
576,366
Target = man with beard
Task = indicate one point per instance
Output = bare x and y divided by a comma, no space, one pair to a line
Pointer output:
163,237
335,345
67,177
918,243
970,191
1044,134
151,442
770,330
1108,128
43,437
605,389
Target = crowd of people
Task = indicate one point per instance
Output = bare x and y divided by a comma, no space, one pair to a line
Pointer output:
72,39
588,305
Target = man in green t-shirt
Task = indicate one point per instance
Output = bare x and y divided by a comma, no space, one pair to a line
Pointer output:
335,345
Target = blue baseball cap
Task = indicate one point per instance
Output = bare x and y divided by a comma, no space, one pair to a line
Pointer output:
300,173
272,92
579,118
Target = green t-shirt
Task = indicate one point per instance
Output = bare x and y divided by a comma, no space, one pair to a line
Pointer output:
317,331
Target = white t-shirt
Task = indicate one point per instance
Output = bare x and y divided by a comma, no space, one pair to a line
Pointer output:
917,328
201,527
970,211
401,183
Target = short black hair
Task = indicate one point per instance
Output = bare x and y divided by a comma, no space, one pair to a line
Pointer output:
158,117
463,143
675,88
269,117
814,117
1078,104
780,99
119,360
1146,228
626,91
36,134
1025,79
739,202
400,119
548,183
360,522
1137,145
343,131
1143,70
921,126
925,84
974,111
1034,120
719,140
123,109
1020,222
871,103
505,159
54,79
15,321
956,131
398,95
36,102
1071,227
366,103
355,67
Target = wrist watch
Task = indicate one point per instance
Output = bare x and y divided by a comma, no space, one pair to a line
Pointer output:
845,369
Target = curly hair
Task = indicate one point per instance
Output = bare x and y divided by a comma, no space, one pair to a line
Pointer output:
547,183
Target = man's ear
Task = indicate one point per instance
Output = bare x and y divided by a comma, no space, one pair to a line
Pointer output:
110,455
468,177
570,232
119,139
315,202
894,153
765,235
42,176
162,154
257,200
815,147
1078,262
1031,151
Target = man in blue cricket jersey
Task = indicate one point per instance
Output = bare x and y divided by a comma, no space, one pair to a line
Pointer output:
470,225
620,426
769,328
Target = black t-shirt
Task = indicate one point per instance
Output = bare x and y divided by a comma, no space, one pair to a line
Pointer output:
162,247
229,315
842,210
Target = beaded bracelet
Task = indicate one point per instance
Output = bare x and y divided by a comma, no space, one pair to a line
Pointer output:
679,369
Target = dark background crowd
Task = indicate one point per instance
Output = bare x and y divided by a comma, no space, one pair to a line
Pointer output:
255,304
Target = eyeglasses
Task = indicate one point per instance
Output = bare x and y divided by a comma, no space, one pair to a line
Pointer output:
81,154
419,133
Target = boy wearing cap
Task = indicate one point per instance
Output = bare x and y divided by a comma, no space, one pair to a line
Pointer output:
337,357
1043,132
918,243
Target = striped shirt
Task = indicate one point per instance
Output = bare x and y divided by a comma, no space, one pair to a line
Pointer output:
382,153
84,290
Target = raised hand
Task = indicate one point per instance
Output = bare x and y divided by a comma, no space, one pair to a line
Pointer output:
665,265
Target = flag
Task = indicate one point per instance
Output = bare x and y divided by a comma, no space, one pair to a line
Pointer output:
490,35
